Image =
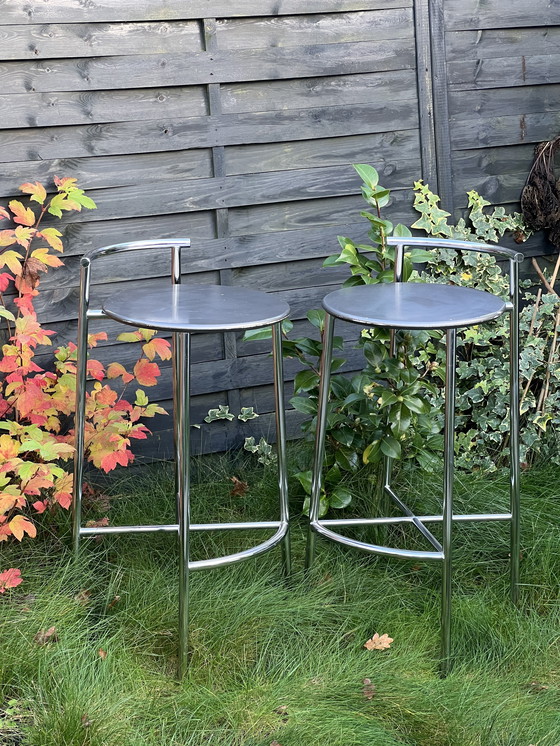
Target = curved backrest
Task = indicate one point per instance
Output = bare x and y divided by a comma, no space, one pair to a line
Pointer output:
500,252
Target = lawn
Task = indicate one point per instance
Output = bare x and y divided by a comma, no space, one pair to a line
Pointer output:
276,663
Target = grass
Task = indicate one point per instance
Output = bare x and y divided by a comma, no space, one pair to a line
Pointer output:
281,664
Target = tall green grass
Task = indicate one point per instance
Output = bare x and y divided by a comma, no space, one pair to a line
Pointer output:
281,662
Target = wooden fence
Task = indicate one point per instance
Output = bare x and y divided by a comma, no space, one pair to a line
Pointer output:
235,123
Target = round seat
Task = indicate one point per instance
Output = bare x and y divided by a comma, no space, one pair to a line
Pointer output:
411,305
196,308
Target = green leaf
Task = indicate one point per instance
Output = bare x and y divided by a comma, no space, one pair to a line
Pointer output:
340,498
247,413
390,447
141,398
372,454
5,314
317,317
401,231
305,479
304,405
367,173
252,335
305,380
323,506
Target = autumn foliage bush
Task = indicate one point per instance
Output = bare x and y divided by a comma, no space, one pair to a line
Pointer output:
37,403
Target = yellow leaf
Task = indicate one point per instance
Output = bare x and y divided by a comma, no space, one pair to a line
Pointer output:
43,255
12,259
20,526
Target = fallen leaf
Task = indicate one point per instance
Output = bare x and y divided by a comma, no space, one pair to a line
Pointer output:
369,689
378,642
86,722
102,653
114,602
239,488
45,636
282,710
98,524
82,597
275,743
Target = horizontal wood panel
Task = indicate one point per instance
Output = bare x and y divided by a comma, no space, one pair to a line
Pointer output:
142,71
339,90
504,72
474,14
53,40
96,11
383,150
514,42
505,130
230,191
89,107
203,132
482,104
301,30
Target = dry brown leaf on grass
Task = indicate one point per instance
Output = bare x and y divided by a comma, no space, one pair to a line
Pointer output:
46,635
83,597
369,689
102,653
239,488
378,642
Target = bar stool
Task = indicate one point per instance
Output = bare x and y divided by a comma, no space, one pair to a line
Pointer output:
402,305
184,310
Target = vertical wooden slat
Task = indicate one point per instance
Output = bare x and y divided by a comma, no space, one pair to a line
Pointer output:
424,73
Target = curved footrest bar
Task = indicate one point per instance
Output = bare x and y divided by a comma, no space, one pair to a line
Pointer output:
230,559
376,548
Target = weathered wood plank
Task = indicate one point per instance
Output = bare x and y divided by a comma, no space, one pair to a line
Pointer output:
142,71
515,42
504,71
97,11
482,104
505,130
231,191
338,90
101,172
383,151
288,216
56,40
478,14
203,132
52,109
302,30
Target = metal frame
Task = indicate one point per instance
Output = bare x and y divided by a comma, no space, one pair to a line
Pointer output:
181,400
440,550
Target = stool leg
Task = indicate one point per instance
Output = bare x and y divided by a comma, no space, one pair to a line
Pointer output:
281,443
319,454
515,542
181,388
448,456
80,413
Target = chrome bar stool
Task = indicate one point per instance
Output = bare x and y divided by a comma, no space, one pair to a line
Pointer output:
184,310
416,305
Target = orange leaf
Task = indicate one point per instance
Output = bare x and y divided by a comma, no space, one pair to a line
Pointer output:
146,373
20,526
4,213
93,339
40,506
10,579
157,346
37,191
378,642
114,370
7,502
22,215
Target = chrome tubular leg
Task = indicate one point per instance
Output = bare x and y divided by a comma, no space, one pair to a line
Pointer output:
448,455
319,453
181,388
176,280
80,413
281,443
515,544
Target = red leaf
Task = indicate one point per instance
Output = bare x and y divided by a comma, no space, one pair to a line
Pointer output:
40,506
95,369
114,370
5,279
146,373
111,460
10,579
93,339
